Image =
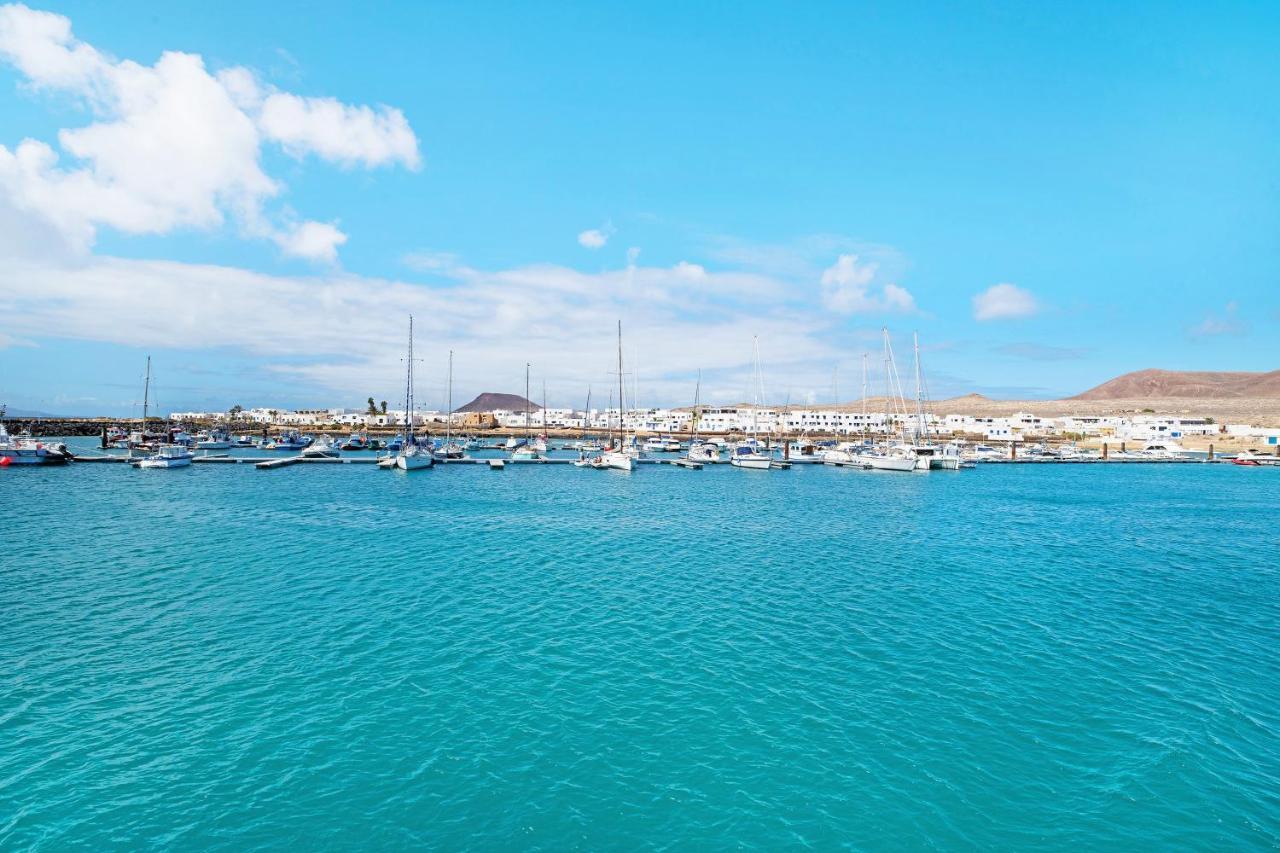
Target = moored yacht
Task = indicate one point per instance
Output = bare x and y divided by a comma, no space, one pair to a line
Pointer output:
749,455
413,454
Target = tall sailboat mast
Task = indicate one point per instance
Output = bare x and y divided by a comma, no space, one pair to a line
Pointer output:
621,405
866,423
146,396
697,400
915,340
408,390
528,424
448,417
759,389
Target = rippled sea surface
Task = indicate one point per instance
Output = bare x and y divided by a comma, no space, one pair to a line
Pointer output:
1014,657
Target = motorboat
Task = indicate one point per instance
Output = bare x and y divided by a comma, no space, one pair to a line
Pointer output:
25,450
356,441
322,448
661,444
166,456
1161,449
291,440
1254,458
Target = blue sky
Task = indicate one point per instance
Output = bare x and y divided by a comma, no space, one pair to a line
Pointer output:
1051,194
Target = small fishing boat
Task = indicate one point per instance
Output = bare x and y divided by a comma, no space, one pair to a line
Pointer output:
166,456
356,441
244,441
25,450
291,440
214,439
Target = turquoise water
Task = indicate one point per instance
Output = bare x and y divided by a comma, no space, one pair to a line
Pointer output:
1014,657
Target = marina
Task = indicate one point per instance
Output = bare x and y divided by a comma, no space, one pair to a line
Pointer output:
533,629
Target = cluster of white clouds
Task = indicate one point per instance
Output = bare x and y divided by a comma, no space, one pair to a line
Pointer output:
174,145
351,335
847,288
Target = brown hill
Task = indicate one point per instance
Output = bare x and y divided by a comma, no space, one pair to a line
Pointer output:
488,402
1143,384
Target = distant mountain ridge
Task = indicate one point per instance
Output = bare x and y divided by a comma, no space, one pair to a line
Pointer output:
488,402
1144,384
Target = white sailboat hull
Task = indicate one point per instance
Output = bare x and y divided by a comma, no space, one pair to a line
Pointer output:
613,460
414,461
755,463
889,463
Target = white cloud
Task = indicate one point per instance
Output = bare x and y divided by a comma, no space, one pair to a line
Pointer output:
898,299
848,288
1004,302
674,318
314,241
691,272
171,145
1215,325
350,135
596,238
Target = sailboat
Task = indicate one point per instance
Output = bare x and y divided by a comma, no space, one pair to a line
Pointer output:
528,450
167,454
412,456
585,444
616,457
928,455
699,450
748,454
450,449
891,458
